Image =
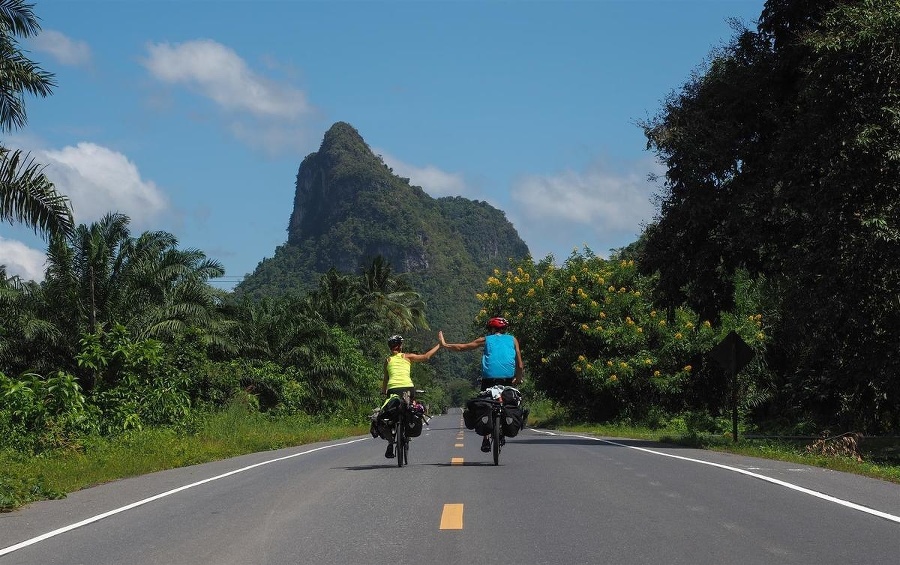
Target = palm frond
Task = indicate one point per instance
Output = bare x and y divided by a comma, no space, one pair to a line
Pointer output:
17,17
28,196
20,75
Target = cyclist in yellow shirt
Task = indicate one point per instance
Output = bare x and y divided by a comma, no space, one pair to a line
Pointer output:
397,368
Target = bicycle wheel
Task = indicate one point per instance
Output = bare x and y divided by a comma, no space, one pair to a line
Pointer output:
399,438
495,438
405,448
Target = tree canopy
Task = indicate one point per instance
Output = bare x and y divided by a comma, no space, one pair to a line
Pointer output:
783,158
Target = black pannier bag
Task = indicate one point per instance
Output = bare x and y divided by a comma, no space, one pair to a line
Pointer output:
469,418
483,424
413,424
383,420
479,410
513,420
385,430
390,409
511,396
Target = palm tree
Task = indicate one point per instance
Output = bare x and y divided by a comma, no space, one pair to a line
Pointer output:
161,290
337,300
26,195
24,334
103,277
391,298
256,331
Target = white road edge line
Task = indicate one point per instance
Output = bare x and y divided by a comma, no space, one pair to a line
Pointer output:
791,486
93,519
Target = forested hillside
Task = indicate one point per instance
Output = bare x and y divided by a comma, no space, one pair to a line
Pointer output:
350,208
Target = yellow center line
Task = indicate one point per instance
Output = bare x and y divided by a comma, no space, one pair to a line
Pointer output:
452,517
458,445
456,460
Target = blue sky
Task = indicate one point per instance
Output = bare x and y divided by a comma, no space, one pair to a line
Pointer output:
193,116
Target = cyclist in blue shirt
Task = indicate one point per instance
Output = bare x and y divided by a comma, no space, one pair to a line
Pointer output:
501,363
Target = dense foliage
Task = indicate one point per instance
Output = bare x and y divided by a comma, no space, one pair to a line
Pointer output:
113,365
783,158
592,340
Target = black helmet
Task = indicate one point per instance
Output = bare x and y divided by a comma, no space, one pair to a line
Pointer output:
395,340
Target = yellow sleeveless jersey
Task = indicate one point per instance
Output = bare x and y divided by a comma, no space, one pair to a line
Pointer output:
398,369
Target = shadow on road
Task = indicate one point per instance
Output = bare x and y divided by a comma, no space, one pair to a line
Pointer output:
609,442
464,464
558,440
367,467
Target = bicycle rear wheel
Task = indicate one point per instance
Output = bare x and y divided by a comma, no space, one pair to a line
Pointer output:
495,439
404,449
399,439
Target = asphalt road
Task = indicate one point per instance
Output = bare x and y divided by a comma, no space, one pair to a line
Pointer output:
554,498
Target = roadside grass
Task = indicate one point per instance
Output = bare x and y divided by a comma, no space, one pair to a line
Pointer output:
234,432
880,456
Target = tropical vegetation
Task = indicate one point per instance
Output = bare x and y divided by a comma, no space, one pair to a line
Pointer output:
776,225
783,163
26,195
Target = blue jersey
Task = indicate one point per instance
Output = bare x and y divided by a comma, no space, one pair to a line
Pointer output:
499,360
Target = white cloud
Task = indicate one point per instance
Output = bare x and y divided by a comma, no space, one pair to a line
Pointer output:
98,180
66,51
599,208
433,180
22,260
218,73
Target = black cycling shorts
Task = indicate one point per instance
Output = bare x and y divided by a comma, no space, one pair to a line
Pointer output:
400,389
488,383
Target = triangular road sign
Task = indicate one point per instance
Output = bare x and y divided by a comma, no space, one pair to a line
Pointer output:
732,353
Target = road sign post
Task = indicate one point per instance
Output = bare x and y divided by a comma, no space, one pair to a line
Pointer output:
733,354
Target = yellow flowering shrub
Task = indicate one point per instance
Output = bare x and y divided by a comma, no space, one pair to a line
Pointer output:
638,354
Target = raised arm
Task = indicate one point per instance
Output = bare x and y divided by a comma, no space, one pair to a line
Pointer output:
520,366
475,344
419,357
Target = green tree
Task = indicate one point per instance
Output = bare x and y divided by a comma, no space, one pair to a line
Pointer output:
25,334
326,371
782,160
391,298
26,195
593,340
102,277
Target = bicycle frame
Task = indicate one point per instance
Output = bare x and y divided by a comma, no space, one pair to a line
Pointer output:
401,440
497,437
